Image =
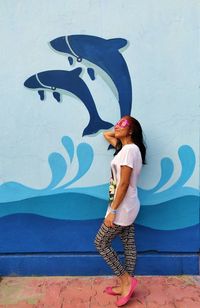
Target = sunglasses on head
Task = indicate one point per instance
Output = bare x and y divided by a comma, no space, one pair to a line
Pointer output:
122,123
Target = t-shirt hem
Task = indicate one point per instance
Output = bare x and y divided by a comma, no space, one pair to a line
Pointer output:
123,225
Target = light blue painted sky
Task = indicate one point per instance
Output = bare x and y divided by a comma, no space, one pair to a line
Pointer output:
164,66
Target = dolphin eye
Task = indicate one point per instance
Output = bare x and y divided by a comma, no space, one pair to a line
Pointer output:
79,59
53,88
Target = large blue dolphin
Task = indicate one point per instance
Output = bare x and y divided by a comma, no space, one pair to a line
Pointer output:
70,81
106,55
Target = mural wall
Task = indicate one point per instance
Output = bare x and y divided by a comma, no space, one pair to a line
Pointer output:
66,82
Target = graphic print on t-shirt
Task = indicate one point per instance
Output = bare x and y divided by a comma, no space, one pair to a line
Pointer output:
112,187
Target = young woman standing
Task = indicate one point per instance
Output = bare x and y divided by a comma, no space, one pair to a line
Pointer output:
124,204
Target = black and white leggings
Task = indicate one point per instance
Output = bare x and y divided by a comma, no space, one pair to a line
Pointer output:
103,244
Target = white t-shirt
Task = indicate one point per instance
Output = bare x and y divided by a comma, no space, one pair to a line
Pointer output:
128,209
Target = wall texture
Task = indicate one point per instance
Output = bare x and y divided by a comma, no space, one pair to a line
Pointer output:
68,72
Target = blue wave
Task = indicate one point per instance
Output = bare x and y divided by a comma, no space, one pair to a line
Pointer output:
40,234
173,214
12,191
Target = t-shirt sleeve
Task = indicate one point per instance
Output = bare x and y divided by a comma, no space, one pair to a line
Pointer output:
128,156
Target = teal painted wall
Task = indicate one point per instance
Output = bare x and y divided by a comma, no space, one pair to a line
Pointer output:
142,58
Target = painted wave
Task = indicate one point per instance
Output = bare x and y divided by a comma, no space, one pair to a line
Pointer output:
20,233
13,191
176,207
173,214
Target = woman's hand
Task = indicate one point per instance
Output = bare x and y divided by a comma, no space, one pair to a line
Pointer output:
109,220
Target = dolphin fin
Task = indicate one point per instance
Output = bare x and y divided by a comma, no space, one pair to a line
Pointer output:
41,94
118,43
111,147
56,95
77,71
94,126
70,59
91,73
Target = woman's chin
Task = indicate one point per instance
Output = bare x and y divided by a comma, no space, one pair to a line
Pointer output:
117,135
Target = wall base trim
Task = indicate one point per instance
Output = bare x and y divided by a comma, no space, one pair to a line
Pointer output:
92,264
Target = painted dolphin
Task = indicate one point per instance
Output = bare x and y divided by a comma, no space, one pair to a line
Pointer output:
105,54
70,81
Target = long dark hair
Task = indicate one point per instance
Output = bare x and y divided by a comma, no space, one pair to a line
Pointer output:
136,136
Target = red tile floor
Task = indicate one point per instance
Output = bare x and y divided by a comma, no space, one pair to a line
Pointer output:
87,292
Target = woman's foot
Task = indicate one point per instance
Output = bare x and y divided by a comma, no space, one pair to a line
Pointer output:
126,286
117,290
127,292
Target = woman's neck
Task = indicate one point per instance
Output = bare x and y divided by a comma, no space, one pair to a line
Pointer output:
126,140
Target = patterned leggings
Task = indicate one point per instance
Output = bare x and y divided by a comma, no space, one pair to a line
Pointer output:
103,244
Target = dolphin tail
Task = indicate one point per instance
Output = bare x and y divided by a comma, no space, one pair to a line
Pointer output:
111,147
94,126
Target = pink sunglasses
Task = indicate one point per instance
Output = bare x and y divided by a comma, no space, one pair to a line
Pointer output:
122,123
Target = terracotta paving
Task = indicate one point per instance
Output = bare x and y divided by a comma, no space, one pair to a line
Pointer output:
87,292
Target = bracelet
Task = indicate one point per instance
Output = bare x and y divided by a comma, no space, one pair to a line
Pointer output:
113,211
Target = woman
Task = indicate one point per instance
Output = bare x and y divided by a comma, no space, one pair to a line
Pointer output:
124,205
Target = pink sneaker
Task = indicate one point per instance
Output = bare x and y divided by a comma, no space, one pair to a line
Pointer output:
124,299
110,291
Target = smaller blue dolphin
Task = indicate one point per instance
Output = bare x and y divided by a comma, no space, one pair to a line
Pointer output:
69,81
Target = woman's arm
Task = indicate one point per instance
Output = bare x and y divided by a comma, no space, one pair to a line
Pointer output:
110,137
120,193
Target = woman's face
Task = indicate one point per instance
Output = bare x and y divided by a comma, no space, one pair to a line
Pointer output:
122,128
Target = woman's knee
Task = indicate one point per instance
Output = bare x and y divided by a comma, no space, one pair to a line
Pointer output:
100,243
96,242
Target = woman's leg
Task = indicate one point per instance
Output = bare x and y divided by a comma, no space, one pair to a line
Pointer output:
103,244
128,239
130,253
